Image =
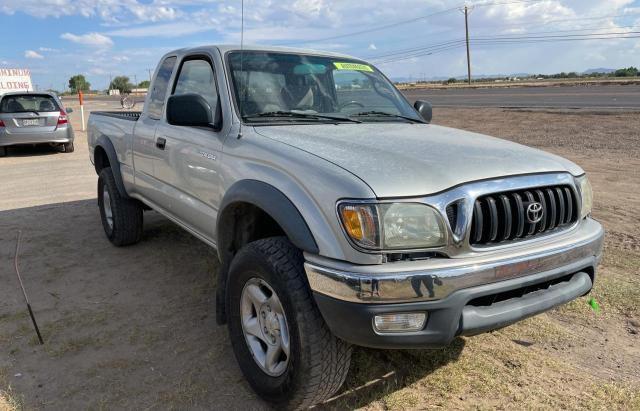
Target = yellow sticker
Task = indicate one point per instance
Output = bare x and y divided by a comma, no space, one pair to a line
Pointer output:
352,66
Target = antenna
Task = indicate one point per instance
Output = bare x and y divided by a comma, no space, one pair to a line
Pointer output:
242,85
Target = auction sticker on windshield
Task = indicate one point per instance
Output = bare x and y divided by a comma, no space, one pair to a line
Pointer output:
352,66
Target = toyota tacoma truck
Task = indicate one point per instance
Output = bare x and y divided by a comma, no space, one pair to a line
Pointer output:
341,215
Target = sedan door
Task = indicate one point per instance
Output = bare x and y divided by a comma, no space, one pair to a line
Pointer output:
190,167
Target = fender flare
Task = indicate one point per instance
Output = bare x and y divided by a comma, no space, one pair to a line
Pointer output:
105,143
273,202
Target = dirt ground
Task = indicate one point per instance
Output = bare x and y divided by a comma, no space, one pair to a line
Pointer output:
134,328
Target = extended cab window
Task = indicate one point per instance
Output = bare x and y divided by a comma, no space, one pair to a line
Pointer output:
196,77
160,85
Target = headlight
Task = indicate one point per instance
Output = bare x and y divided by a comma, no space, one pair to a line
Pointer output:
587,196
392,226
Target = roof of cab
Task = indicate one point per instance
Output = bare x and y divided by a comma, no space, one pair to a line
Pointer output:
224,48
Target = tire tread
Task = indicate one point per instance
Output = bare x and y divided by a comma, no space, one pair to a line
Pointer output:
328,357
127,212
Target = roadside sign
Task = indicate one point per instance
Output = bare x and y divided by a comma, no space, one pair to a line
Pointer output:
15,79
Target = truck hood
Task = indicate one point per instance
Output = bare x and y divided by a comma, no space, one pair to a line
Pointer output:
403,160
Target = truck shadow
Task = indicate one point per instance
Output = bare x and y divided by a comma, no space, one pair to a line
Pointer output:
134,327
375,374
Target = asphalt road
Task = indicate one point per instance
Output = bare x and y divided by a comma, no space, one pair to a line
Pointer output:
605,96
579,97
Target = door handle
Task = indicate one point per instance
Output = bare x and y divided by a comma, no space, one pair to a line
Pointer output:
161,143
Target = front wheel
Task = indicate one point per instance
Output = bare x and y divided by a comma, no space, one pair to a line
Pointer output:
280,340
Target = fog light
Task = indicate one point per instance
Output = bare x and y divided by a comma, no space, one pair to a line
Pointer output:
399,322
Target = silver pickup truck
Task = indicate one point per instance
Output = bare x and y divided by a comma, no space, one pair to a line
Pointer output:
340,214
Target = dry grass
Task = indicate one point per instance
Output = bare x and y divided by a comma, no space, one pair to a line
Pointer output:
493,371
134,327
8,400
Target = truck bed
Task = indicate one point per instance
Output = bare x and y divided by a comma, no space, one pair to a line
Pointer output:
124,115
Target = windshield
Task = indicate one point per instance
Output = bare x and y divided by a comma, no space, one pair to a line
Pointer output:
28,103
282,87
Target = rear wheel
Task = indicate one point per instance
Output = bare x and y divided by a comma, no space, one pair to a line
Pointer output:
3,151
68,147
121,217
282,344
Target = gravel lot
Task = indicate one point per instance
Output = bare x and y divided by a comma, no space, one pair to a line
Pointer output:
135,327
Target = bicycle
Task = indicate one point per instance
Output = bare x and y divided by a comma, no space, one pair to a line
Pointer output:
127,102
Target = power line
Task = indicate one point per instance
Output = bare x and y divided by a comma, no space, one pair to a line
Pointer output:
497,36
615,16
409,21
380,28
492,42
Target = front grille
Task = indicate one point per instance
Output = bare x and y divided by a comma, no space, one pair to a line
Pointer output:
504,217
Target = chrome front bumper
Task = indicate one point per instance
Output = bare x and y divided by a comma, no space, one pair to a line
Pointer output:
434,279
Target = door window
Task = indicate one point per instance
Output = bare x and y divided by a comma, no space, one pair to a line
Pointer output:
159,91
196,77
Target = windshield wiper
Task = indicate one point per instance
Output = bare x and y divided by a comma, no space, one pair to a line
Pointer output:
295,114
374,113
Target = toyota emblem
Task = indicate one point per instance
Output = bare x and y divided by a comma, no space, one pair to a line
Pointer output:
534,212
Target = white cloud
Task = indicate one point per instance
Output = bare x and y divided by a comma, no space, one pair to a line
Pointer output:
110,11
89,39
161,30
30,54
326,25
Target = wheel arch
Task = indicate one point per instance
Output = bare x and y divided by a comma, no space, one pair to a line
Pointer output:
104,155
251,210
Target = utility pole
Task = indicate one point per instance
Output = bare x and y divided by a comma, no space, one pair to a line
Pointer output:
466,28
149,70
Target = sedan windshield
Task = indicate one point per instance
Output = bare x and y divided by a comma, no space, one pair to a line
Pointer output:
28,103
283,87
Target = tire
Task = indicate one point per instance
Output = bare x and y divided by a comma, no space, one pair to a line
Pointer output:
3,151
68,147
122,221
318,361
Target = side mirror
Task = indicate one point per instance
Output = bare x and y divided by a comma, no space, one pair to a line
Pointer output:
69,110
192,110
425,109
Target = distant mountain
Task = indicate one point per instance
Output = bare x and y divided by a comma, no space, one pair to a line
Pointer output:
599,70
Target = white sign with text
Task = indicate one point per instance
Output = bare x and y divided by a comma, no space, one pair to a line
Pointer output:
15,80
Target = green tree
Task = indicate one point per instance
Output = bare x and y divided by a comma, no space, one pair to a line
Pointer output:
144,84
79,83
121,83
627,72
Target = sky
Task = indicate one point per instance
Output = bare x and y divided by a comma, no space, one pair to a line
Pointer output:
56,39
